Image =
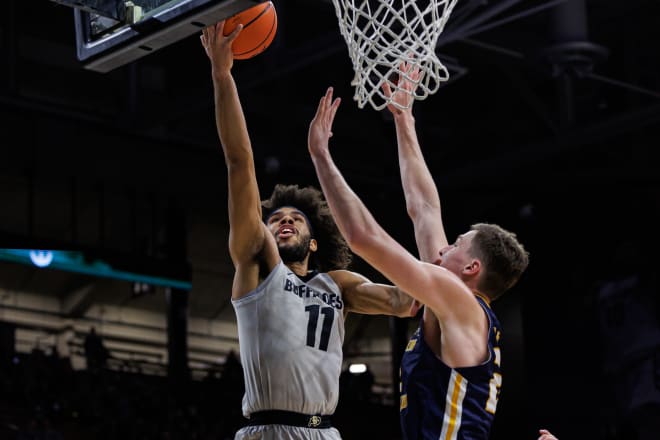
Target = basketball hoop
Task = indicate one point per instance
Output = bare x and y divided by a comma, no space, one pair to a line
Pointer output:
382,35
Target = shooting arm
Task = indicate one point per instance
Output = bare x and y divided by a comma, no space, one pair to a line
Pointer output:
247,233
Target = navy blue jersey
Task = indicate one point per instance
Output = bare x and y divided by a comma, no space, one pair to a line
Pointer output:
443,403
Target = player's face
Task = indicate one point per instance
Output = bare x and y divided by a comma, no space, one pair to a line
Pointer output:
456,256
292,233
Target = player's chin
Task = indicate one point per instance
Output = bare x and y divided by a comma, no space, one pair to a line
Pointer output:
287,242
289,246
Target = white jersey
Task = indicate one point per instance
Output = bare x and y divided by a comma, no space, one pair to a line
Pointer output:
290,332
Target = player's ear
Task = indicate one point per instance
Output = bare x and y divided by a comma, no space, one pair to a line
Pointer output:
472,268
313,245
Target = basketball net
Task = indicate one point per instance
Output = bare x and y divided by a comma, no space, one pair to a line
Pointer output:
383,34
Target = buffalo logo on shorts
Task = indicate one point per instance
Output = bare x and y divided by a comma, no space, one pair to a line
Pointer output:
314,421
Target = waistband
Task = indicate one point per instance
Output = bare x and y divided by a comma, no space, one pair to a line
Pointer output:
278,417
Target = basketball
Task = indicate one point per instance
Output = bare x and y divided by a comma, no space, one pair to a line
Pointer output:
259,28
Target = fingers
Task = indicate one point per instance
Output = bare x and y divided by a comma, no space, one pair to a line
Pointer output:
231,37
333,111
387,90
323,102
325,114
210,33
329,106
205,37
414,75
326,101
328,94
323,105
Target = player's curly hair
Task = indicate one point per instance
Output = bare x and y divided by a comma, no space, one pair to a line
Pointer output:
504,258
333,252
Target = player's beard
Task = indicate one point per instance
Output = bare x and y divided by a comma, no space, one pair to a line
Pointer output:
295,253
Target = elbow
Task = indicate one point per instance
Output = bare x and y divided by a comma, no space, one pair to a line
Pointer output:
413,210
418,209
406,306
360,241
365,237
354,240
238,154
236,161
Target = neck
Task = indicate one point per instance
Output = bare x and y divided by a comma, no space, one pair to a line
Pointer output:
300,268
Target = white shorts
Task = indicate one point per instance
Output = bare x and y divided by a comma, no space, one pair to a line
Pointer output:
285,432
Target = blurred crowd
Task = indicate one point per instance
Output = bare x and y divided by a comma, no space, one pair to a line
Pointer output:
43,398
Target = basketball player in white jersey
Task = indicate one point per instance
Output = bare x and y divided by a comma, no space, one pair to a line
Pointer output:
291,291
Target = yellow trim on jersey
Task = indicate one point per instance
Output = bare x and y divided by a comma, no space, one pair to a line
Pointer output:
494,390
453,406
404,402
411,345
482,296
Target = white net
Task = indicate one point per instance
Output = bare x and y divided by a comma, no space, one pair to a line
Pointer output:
383,34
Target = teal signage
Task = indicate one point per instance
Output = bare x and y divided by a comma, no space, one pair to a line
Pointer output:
76,261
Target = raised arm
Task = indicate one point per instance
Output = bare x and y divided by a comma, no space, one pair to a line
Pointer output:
247,232
422,199
434,286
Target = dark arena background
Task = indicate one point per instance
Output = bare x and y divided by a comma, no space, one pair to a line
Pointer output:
549,126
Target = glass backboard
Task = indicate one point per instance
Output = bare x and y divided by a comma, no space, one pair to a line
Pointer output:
112,33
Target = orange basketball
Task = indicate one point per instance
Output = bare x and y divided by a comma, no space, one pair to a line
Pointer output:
259,28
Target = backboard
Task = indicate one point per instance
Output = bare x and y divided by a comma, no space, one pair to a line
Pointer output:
113,33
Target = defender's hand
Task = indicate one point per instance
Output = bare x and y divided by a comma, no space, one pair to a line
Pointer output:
404,94
320,129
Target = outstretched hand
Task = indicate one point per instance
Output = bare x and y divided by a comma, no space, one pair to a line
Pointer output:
218,47
403,96
320,129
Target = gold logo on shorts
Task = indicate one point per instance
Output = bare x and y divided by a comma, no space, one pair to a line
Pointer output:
314,421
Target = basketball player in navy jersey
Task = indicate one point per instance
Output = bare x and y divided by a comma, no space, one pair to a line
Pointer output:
423,206
450,371
290,291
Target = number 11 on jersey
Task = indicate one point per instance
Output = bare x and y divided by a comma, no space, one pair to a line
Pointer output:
312,324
